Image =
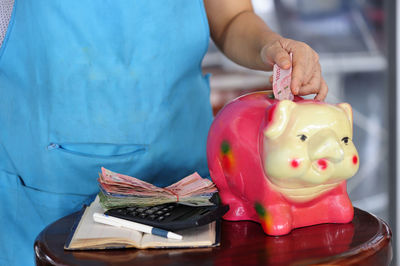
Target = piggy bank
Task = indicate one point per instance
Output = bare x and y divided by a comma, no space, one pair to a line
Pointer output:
283,164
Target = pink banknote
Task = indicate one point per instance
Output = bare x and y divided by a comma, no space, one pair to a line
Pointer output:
281,83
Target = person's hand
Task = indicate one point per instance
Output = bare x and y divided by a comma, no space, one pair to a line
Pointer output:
306,70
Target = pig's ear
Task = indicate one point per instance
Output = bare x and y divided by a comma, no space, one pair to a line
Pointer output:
279,119
348,110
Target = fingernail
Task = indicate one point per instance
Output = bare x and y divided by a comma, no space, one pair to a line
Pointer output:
286,63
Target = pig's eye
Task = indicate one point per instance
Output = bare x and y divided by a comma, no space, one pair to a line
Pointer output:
346,140
302,137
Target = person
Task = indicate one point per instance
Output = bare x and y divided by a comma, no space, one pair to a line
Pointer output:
118,84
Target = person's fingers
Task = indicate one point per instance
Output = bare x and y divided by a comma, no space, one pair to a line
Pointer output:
298,76
308,89
275,54
323,91
306,68
314,83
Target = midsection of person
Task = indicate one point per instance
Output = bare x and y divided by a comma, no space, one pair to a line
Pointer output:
116,77
86,85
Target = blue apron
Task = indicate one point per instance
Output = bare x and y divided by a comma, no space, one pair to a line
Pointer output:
85,84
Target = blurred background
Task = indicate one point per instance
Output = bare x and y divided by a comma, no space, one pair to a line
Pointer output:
352,39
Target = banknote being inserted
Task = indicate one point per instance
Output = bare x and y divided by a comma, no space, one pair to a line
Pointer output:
281,83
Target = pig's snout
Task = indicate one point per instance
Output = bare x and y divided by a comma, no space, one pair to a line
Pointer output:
325,145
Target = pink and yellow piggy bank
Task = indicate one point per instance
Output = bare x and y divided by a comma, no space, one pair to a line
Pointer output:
283,164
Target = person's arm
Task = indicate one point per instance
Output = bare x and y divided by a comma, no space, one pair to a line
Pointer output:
244,38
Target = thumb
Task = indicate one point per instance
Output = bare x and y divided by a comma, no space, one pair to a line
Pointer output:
275,54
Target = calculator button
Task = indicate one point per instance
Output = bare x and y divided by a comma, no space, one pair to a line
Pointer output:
142,215
133,213
149,211
152,216
167,214
131,209
141,209
160,218
165,209
159,212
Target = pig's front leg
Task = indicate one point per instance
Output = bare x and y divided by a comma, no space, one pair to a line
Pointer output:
275,219
339,206
335,207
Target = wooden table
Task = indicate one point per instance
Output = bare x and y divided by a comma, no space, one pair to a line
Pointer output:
364,241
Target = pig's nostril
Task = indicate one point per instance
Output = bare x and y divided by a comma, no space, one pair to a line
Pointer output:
322,163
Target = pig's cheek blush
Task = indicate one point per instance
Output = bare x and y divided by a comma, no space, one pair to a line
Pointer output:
322,164
355,159
295,163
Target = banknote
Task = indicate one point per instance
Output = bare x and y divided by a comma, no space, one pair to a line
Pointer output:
281,83
119,190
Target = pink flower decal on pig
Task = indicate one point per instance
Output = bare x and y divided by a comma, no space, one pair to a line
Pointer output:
283,164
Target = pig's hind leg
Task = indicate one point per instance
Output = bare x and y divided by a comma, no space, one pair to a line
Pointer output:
238,209
275,219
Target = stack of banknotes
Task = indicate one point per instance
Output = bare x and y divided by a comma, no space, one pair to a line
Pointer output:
118,191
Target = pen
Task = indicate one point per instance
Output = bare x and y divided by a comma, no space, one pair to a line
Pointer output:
114,221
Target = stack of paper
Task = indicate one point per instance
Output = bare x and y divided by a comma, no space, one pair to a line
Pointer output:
118,191
89,235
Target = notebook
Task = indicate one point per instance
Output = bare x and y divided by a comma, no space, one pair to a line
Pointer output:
89,235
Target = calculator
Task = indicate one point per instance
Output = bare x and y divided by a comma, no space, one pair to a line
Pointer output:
172,216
